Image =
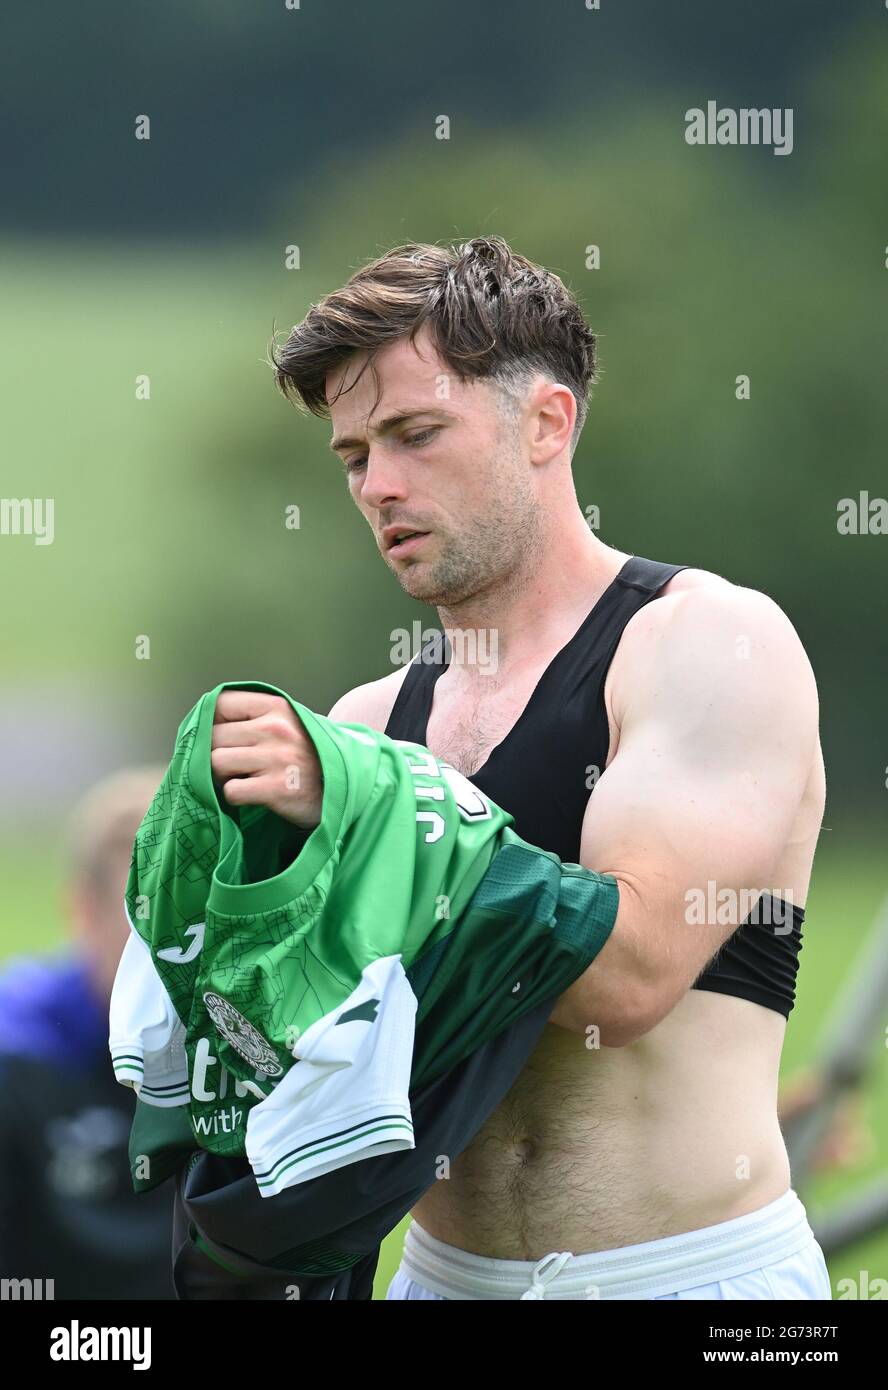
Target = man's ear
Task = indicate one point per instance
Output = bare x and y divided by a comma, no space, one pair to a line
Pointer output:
553,416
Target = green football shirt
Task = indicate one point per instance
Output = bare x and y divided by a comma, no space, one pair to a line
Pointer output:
279,995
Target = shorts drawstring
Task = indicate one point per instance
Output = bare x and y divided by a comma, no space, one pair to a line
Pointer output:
539,1279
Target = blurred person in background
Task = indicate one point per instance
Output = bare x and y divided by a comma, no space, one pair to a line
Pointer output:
67,1208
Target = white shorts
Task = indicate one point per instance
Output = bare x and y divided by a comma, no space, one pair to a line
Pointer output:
769,1254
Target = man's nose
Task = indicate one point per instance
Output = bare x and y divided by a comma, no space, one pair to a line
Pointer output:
384,479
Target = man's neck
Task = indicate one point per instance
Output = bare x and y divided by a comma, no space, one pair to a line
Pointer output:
529,615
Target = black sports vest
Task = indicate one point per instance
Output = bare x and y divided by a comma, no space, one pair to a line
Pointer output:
542,771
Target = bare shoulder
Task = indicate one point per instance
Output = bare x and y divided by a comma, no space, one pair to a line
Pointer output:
704,632
372,703
696,605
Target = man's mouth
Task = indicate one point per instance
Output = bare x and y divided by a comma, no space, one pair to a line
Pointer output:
404,542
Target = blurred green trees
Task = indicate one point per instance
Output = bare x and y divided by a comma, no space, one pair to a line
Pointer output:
715,263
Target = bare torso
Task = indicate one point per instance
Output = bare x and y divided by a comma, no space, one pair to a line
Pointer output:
599,1148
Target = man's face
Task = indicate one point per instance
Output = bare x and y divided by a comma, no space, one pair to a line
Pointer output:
439,457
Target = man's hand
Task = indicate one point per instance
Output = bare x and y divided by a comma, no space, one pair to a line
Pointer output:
263,757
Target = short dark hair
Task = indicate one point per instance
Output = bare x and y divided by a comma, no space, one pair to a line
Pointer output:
492,313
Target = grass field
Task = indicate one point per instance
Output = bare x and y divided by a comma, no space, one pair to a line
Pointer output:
848,886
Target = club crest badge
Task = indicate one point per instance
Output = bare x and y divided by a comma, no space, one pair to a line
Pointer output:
246,1040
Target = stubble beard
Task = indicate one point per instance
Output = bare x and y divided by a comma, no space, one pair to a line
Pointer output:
490,551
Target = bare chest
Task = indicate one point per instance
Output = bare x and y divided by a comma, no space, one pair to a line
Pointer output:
465,726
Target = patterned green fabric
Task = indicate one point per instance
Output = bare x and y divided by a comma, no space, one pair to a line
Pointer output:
258,950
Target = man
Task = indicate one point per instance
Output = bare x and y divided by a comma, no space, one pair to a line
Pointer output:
656,723
69,1213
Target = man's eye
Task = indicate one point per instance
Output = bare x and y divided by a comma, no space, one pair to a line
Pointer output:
412,441
423,436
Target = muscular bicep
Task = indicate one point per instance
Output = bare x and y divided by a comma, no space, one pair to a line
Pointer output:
708,774
717,729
